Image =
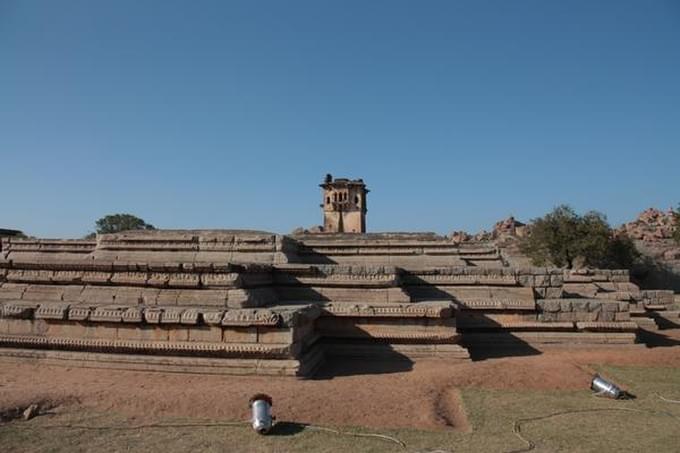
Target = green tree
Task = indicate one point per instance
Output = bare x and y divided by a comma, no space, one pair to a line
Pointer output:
116,223
562,236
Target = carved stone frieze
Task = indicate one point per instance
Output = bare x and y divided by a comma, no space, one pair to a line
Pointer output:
245,317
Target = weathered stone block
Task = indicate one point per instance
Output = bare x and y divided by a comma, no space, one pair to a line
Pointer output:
579,305
239,335
610,306
548,317
244,317
149,296
18,310
153,333
63,277
129,278
176,333
565,305
172,315
566,316
229,280
204,297
622,316
205,333
42,293
4,325
212,316
104,331
66,329
160,279
606,316
540,292
551,306
526,280
153,315
168,297
130,332
594,305
542,280
52,311
20,326
269,335
585,315
556,280
190,316
79,313
553,293
132,314
96,277
107,314
184,280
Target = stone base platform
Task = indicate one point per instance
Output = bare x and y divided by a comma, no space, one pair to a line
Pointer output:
390,351
541,340
304,366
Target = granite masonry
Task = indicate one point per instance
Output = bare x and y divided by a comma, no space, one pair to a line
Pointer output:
252,302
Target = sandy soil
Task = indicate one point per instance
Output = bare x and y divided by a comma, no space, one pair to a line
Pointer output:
378,395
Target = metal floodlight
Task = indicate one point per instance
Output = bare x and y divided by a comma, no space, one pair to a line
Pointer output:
261,406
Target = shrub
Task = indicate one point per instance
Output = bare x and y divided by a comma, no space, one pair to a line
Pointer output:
562,236
116,223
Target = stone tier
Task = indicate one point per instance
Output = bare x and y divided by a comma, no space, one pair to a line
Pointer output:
258,337
405,250
157,246
256,302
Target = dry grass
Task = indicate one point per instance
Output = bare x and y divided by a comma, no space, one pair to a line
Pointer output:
652,425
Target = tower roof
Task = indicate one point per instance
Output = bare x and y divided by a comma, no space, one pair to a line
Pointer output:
331,182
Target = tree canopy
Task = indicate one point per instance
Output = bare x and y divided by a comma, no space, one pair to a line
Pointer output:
563,237
116,223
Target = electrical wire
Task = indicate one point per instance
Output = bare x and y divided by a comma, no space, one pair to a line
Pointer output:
348,433
667,400
516,428
209,425
517,424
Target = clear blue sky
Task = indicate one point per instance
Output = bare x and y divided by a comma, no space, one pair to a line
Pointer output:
227,114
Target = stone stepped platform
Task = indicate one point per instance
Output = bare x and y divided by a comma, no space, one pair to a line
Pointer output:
279,340
248,302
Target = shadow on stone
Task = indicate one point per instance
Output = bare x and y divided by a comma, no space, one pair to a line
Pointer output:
501,344
349,366
657,339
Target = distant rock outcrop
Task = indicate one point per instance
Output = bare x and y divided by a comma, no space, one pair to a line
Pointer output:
651,225
652,232
507,229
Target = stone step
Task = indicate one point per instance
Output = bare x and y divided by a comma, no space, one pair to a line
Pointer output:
548,338
193,365
380,350
667,320
645,323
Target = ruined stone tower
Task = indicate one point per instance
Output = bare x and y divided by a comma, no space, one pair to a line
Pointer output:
344,205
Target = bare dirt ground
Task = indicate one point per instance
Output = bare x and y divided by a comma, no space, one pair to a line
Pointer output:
375,394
